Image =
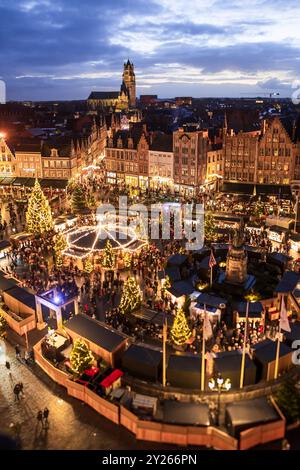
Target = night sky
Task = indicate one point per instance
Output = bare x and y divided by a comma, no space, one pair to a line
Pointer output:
63,49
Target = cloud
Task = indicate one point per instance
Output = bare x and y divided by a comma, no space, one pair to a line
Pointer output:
62,48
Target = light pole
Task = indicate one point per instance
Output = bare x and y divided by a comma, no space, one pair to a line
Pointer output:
219,385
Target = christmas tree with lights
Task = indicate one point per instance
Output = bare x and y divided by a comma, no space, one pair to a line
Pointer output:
127,259
108,259
131,297
180,331
78,201
38,215
88,266
209,227
60,244
81,357
3,324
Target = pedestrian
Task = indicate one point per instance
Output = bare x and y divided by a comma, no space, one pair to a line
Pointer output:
39,417
45,416
17,392
18,351
21,387
7,365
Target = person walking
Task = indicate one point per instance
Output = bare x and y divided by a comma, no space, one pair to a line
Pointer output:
45,416
21,387
17,392
18,351
39,418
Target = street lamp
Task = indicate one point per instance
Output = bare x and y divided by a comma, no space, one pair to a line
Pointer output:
219,385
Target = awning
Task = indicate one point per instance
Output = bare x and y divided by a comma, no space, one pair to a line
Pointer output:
110,379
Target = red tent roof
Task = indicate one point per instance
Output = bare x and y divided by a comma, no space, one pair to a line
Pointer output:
111,378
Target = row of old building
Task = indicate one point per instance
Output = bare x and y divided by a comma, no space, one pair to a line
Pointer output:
192,157
188,158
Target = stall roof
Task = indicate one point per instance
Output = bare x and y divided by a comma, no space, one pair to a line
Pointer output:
177,260
278,229
287,283
111,378
294,334
6,283
279,257
256,410
173,272
189,414
95,331
254,307
211,300
23,295
181,288
265,351
4,244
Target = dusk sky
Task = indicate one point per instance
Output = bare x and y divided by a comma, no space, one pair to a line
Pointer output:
63,49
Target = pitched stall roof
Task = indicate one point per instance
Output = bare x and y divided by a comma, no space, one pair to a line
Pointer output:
256,410
96,332
287,283
189,414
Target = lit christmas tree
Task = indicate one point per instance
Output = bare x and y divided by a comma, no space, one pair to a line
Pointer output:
38,215
209,227
3,324
127,259
88,266
131,296
78,201
60,244
81,357
108,259
180,331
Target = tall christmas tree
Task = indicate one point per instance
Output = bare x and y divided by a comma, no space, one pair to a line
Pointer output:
131,296
180,331
38,215
60,244
108,259
78,200
3,324
288,399
88,266
127,259
81,357
209,227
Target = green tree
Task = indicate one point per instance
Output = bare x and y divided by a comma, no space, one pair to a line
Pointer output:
108,257
78,201
88,266
131,297
288,400
81,357
60,244
209,227
3,324
38,216
180,331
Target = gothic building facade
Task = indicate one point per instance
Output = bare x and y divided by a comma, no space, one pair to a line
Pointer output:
117,100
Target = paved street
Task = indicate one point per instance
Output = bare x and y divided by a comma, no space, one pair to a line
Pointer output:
72,424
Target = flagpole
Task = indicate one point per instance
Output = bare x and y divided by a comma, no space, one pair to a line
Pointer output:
278,346
211,276
242,376
203,353
165,326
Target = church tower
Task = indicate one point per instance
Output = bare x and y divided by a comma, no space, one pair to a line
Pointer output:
129,82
